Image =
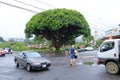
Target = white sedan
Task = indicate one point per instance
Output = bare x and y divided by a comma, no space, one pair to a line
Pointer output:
89,48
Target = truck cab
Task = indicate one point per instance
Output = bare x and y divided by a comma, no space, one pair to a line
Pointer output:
109,55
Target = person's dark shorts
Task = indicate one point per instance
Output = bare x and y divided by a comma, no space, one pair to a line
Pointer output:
72,56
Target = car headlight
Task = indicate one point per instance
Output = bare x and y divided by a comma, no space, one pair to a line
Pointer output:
36,63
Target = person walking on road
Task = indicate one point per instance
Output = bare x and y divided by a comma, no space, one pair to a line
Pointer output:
72,56
10,51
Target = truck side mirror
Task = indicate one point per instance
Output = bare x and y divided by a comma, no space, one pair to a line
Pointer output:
102,49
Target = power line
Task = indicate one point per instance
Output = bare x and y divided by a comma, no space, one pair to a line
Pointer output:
97,27
29,5
99,23
95,22
37,12
44,3
18,7
101,26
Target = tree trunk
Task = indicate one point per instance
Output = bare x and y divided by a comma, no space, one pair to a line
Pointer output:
57,47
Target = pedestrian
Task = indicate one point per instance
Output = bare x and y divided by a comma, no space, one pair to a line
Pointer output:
10,51
72,56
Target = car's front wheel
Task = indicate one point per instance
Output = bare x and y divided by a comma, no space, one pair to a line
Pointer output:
28,67
17,64
112,67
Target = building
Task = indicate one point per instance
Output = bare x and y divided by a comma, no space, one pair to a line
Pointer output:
114,32
95,37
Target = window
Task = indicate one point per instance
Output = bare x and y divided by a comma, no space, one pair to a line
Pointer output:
32,54
22,54
107,46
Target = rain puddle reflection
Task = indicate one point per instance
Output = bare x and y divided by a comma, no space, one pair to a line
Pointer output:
87,63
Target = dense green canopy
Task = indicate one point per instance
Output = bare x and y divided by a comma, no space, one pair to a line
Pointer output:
58,25
1,39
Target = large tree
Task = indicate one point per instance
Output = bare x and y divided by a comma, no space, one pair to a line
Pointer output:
58,25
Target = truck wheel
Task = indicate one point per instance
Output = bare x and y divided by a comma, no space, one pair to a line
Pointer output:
17,64
112,67
28,67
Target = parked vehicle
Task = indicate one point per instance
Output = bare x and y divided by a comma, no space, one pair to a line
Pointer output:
2,52
81,49
8,50
109,55
89,48
31,60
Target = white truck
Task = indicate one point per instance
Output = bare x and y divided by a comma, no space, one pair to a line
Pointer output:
109,55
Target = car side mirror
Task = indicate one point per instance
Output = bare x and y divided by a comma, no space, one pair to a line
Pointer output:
102,50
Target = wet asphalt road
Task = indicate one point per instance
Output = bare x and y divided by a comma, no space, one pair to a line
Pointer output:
59,70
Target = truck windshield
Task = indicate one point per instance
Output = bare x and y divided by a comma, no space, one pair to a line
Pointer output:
107,46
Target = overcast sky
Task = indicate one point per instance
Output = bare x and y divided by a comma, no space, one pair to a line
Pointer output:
100,14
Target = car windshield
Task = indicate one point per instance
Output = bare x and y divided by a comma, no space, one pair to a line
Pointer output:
32,54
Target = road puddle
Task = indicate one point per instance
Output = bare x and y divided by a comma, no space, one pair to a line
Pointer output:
87,63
